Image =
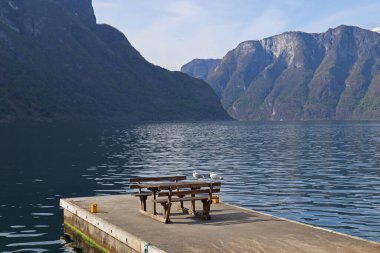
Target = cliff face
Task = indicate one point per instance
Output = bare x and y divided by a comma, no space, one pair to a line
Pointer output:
300,76
201,68
56,63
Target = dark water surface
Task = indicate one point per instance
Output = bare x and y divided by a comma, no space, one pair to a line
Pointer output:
325,173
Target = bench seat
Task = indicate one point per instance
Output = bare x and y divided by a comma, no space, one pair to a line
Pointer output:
142,194
180,199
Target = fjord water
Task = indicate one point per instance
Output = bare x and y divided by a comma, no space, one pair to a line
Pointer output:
322,173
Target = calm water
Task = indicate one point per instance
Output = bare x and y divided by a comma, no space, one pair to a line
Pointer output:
325,173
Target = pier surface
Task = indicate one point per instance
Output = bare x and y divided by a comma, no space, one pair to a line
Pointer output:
118,224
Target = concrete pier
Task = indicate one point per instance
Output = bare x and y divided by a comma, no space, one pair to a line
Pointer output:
118,227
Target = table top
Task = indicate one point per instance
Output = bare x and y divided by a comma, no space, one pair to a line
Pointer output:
173,185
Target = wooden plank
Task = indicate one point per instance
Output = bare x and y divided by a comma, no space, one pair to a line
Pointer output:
180,199
142,194
189,199
165,178
167,186
188,192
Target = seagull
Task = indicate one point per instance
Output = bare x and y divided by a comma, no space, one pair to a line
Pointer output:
215,176
197,175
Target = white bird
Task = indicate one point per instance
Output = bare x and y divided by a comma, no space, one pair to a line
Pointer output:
197,175
215,176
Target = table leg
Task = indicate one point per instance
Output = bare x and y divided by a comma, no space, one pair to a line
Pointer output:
144,202
206,209
141,202
192,208
180,206
167,215
154,203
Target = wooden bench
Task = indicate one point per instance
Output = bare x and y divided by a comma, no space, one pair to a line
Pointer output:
177,192
143,195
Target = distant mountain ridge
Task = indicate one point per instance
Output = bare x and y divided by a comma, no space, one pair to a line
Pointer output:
56,63
301,76
201,68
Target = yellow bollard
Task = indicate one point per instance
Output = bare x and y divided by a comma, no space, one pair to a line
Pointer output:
94,208
215,199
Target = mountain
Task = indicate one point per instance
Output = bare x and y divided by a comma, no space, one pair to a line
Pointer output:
302,76
56,63
200,68
376,29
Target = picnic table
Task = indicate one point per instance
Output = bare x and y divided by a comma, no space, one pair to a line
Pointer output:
170,192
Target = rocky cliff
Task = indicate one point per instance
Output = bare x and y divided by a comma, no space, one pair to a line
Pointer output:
201,68
56,63
301,76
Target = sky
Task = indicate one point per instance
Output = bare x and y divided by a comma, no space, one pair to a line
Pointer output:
170,33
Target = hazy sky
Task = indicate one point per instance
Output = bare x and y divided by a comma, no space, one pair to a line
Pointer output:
170,33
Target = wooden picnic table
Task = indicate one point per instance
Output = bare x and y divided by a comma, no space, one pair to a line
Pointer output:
179,189
167,186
